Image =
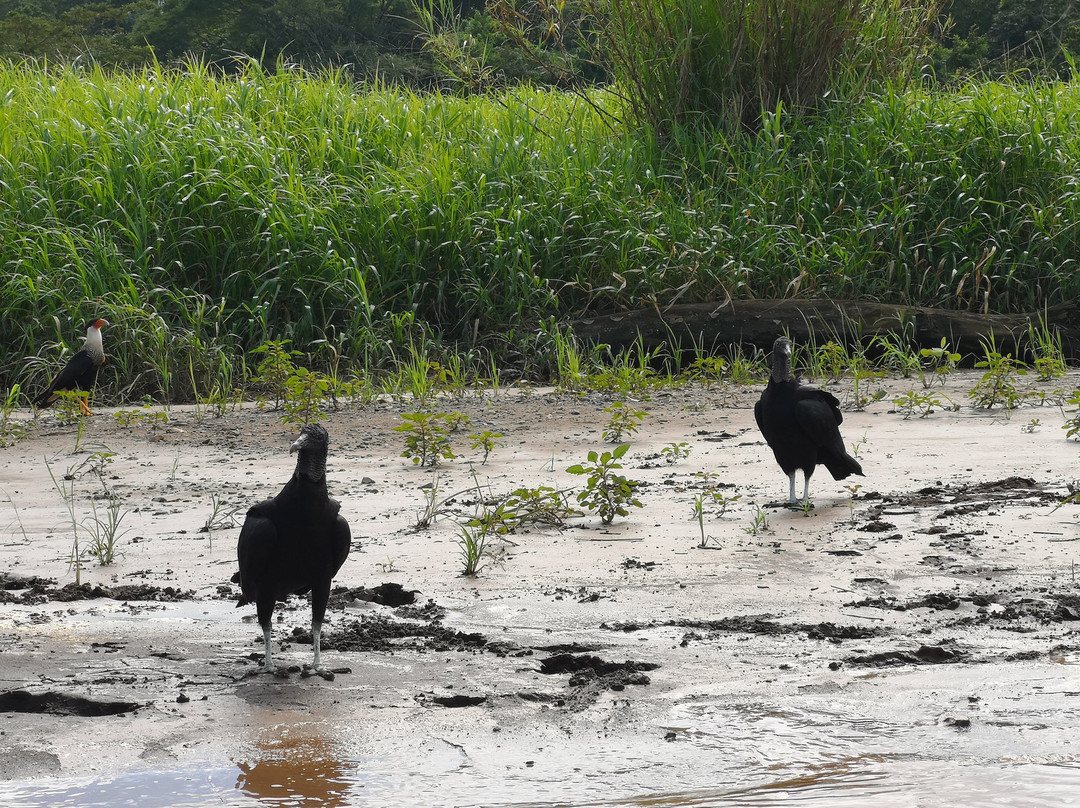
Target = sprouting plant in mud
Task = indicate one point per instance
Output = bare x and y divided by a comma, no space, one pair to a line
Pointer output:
475,544
1072,416
759,524
146,414
1045,343
274,370
104,531
915,403
10,429
95,464
856,447
938,363
434,507
306,392
716,499
674,452
606,492
708,370
65,487
896,354
624,421
303,395
222,517
996,387
852,490
457,421
427,437
486,441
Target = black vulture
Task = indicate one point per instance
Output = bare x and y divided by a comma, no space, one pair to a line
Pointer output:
295,542
80,373
801,425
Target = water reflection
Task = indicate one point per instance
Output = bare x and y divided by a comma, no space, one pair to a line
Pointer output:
302,770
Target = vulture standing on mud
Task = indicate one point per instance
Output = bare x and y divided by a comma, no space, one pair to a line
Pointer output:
81,371
295,542
801,425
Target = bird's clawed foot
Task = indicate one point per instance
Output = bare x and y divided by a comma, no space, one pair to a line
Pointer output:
312,670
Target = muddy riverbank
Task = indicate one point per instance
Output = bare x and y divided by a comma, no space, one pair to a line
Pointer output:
911,641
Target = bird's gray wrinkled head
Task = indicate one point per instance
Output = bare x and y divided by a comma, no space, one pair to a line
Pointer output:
311,447
781,359
313,437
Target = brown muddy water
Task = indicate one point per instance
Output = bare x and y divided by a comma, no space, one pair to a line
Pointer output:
1015,745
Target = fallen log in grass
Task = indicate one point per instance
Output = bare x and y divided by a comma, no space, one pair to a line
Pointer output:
714,327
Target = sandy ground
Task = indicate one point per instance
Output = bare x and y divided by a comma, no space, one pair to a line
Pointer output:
591,663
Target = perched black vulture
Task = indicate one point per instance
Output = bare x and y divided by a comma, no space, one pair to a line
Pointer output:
801,425
81,371
295,542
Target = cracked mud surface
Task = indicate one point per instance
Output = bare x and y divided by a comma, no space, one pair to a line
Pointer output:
950,556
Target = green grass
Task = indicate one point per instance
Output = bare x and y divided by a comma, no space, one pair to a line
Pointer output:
204,216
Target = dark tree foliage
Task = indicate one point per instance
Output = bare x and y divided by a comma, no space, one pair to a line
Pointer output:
999,37
382,37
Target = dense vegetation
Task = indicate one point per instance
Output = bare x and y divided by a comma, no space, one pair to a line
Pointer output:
206,215
742,148
380,37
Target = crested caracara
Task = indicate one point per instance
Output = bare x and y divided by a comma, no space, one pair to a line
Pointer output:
80,373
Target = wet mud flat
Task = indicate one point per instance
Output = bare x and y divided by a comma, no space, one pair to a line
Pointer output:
910,642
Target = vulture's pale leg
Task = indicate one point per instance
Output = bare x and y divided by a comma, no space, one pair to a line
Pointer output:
791,488
268,666
316,634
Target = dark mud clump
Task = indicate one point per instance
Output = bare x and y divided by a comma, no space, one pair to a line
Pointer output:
926,654
762,624
995,608
145,592
383,634
590,676
34,591
388,594
964,499
49,703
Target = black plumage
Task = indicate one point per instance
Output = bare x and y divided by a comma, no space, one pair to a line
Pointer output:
801,425
295,542
80,372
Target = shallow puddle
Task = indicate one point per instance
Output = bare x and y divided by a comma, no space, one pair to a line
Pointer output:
716,755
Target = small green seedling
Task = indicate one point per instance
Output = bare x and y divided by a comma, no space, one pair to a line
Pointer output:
486,441
913,403
760,522
852,490
1072,420
10,429
624,421
145,414
427,438
104,531
674,452
606,492
715,498
475,544
940,362
996,387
